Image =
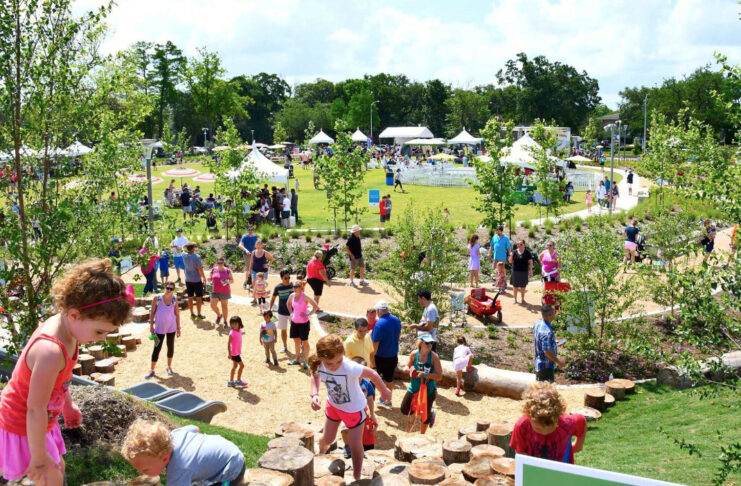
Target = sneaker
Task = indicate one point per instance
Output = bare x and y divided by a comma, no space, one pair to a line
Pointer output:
305,366
229,383
200,317
347,452
193,317
294,362
458,391
267,360
218,319
284,350
381,403
353,284
240,383
431,418
170,372
363,282
149,375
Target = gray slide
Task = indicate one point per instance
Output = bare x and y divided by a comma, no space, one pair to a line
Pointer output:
8,361
191,406
149,391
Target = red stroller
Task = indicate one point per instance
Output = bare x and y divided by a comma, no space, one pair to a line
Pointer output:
552,291
483,306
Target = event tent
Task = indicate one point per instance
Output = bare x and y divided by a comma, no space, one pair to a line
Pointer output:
402,134
464,138
425,141
76,150
521,154
359,136
321,137
257,161
579,158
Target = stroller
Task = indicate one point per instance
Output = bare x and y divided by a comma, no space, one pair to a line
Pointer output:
641,249
329,252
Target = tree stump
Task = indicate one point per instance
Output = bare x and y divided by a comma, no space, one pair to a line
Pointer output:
140,314
589,413
380,458
430,460
482,425
145,481
389,480
495,481
115,360
77,369
407,449
487,450
100,483
138,341
106,379
114,338
87,362
302,432
105,366
284,442
93,376
466,429
477,438
477,468
455,482
426,473
609,400
129,342
616,389
97,351
267,477
298,462
595,399
326,465
331,481
630,387
456,450
499,435
398,469
503,465
122,350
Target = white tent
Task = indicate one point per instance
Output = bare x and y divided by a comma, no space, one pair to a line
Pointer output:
464,138
402,134
425,141
521,154
359,136
266,169
321,137
77,149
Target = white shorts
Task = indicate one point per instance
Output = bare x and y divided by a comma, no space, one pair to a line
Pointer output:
283,322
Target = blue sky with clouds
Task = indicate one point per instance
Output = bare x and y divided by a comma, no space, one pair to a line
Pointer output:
464,42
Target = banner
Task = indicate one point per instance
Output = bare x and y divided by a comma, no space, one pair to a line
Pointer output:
374,197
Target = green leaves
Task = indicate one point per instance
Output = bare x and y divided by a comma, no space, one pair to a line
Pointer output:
495,180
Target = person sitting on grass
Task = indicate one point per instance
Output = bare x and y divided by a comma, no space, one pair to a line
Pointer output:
369,428
187,455
545,430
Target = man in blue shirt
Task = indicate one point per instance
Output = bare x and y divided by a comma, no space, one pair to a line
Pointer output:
546,348
500,246
607,185
247,245
385,339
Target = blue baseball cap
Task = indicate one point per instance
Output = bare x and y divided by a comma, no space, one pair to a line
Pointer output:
115,240
427,338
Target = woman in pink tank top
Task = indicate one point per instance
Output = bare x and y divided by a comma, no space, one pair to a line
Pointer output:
550,264
298,307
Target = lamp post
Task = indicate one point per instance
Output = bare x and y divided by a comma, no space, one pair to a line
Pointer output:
371,119
205,131
612,126
253,137
148,145
645,99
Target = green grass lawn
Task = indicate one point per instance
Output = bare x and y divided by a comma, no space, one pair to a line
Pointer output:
313,211
627,438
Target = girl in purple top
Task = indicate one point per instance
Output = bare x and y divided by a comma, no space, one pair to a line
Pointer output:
474,259
298,308
164,321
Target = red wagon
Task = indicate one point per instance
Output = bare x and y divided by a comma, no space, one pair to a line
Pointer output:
484,306
551,293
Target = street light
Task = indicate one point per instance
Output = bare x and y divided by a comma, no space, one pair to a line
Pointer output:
644,122
253,136
612,126
371,119
205,130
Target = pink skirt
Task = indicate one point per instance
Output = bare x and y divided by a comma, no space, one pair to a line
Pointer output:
15,455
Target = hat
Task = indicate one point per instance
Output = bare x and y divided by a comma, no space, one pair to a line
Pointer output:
179,230
427,338
115,240
382,305
355,228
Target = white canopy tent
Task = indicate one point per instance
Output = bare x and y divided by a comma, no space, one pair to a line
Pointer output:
464,138
359,136
521,154
403,134
77,149
425,141
257,161
321,137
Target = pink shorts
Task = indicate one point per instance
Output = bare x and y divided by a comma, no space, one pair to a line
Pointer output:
350,419
15,455
630,246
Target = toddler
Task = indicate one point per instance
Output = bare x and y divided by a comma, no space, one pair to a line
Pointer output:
164,266
268,336
234,350
260,287
589,202
188,456
462,360
501,277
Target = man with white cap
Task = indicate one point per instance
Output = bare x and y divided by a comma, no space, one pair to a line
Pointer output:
385,339
355,251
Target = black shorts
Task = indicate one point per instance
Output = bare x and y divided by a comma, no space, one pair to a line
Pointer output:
299,330
546,374
237,359
386,367
194,289
317,285
383,218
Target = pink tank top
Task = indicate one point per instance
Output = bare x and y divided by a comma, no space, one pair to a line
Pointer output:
299,309
550,263
13,401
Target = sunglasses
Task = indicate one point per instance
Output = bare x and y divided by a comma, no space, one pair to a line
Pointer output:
220,263
170,289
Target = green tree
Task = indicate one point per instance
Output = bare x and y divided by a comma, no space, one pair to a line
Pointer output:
168,64
434,108
279,133
359,111
269,92
546,164
495,180
466,109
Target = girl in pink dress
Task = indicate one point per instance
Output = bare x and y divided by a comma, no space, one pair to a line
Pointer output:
589,202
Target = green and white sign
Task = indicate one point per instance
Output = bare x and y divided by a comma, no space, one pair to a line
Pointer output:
533,471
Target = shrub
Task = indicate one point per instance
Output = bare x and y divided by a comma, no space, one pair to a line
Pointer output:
531,233
376,240
328,239
526,224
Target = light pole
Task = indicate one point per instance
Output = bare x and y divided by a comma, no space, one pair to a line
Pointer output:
611,126
205,131
645,99
371,119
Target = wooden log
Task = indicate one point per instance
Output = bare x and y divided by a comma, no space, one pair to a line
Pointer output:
409,448
77,369
504,466
327,465
495,481
87,362
589,413
100,483
616,389
93,376
145,481
482,425
430,460
456,450
477,438
140,314
487,450
477,468
398,469
467,429
298,462
595,399
122,350
259,476
97,351
87,377
455,482
380,458
331,481
183,304
138,341
124,334
105,366
114,338
426,473
499,435
106,379
115,360
389,480
630,387
302,432
609,400
283,442
129,342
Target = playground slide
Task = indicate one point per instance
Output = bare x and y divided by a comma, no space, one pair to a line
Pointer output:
191,406
151,392
8,361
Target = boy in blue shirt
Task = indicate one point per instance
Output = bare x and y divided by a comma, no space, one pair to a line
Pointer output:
164,264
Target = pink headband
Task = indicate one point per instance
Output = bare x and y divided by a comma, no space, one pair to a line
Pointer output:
128,295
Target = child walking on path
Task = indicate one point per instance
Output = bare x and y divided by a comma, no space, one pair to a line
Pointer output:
268,336
91,302
346,401
588,198
260,287
462,360
234,350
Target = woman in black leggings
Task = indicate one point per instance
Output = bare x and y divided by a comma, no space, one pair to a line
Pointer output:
164,321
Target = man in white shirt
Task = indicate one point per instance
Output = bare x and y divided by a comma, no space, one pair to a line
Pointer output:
177,252
285,213
430,317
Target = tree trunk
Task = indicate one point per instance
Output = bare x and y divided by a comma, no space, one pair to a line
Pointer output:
298,462
609,401
87,362
261,476
328,465
302,432
129,342
106,379
482,425
97,351
77,370
283,442
477,468
466,429
122,350
456,450
616,389
589,413
413,447
630,386
426,473
389,480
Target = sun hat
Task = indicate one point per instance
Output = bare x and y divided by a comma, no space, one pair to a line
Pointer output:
427,338
356,227
382,305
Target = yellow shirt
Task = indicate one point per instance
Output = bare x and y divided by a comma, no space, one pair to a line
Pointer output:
355,346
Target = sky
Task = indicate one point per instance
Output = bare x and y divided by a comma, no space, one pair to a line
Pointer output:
463,42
